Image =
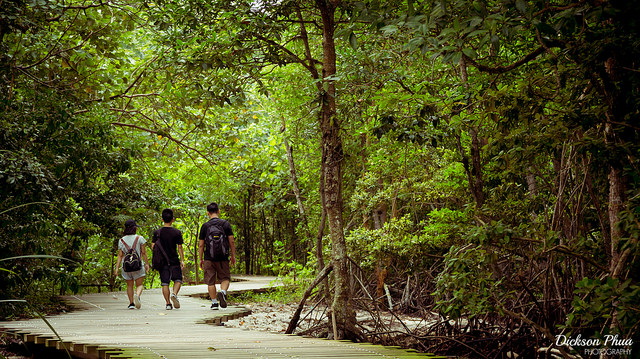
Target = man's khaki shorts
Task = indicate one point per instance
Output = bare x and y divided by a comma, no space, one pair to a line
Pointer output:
216,271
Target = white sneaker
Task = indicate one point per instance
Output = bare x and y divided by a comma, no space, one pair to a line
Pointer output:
136,301
174,299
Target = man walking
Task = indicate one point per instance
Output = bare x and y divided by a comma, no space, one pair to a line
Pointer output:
169,242
217,252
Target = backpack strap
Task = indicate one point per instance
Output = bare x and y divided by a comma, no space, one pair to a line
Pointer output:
125,244
166,257
134,244
158,239
218,222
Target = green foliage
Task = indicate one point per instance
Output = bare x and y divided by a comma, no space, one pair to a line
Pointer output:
467,286
599,301
413,246
446,226
293,278
276,294
115,111
61,175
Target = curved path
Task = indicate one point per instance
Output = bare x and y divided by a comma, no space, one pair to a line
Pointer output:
105,328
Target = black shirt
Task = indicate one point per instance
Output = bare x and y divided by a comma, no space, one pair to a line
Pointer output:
169,238
203,233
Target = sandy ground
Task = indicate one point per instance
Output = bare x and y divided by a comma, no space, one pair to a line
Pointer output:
275,317
272,317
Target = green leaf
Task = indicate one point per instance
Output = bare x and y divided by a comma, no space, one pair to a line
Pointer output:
389,30
353,41
521,5
469,52
475,21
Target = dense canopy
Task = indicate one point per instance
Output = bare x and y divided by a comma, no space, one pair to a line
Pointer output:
472,163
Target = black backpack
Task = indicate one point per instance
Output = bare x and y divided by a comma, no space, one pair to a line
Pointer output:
216,241
160,258
132,260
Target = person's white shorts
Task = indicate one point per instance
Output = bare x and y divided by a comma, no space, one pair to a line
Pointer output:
133,275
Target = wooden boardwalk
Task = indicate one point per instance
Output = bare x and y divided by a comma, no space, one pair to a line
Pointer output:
104,328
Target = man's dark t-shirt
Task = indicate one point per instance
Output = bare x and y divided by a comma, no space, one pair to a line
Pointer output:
169,238
203,234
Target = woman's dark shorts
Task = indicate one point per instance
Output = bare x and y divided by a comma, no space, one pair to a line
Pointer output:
170,273
216,271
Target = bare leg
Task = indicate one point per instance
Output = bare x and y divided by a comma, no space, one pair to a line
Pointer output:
224,285
139,286
165,293
212,291
176,287
130,290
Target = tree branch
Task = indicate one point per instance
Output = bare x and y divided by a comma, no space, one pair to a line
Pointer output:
296,316
503,69
84,7
287,51
179,142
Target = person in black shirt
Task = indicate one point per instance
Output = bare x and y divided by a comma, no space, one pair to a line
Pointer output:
217,269
170,240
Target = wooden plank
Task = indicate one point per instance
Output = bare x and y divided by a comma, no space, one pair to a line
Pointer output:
76,347
40,339
29,338
91,349
106,329
51,343
63,345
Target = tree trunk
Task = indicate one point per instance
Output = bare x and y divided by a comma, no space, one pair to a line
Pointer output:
615,89
332,145
247,234
532,184
604,224
473,170
324,286
296,190
476,169
310,66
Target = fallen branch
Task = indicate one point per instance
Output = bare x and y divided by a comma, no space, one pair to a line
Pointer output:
296,316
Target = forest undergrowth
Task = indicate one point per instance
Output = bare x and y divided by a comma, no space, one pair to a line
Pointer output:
405,316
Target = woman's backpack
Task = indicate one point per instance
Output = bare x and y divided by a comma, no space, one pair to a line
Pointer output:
132,262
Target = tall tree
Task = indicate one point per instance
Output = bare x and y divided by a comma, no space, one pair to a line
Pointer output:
251,38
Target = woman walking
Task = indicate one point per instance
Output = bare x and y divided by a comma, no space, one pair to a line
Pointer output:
131,240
